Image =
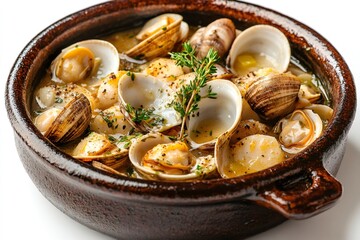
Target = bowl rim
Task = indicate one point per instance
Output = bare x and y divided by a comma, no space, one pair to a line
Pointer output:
161,192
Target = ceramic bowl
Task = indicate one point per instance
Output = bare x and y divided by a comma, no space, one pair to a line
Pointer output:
206,209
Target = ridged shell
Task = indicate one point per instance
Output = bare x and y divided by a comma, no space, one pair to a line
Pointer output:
71,122
218,35
160,41
274,95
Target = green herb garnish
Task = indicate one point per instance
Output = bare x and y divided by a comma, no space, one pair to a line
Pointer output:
141,114
131,75
188,96
58,100
110,119
127,139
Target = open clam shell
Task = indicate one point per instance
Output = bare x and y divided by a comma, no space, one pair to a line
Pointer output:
97,147
88,60
158,36
215,116
265,41
251,154
199,166
299,130
140,93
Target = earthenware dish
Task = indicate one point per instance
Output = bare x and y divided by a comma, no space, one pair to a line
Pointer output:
208,209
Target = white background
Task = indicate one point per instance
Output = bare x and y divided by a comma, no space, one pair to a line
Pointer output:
25,213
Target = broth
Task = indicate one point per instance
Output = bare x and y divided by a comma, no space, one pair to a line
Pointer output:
204,131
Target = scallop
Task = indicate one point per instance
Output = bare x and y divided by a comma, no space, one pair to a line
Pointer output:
88,61
156,156
258,47
146,102
299,130
159,36
66,124
218,35
215,115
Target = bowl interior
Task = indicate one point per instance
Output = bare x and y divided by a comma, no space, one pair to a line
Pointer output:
308,46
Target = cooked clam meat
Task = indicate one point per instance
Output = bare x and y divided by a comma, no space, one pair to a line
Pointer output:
299,130
251,154
85,60
171,158
157,155
177,103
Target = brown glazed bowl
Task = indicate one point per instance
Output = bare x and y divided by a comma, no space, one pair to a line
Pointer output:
206,209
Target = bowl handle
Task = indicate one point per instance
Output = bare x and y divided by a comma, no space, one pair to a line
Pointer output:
301,195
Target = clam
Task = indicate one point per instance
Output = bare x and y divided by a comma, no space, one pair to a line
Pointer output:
307,95
146,102
273,95
164,68
325,112
88,61
218,35
258,47
251,154
110,121
214,116
97,147
158,36
66,124
156,156
107,92
299,130
247,128
57,96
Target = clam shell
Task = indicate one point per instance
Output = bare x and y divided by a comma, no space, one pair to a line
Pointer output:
159,42
264,40
71,122
251,154
97,147
215,116
203,166
274,95
218,35
299,130
147,92
102,50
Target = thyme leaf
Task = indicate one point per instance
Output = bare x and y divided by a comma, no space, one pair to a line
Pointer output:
141,114
188,96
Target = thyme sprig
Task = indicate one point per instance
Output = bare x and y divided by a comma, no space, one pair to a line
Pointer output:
141,114
188,96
